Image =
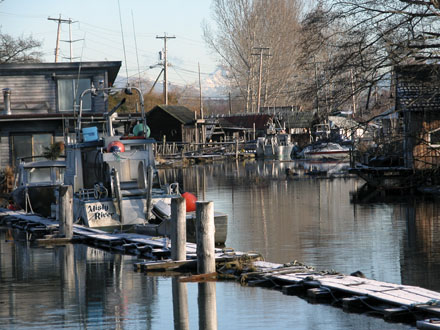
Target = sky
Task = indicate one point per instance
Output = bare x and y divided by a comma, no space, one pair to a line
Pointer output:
97,28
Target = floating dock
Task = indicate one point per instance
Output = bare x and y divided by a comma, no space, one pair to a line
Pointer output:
352,293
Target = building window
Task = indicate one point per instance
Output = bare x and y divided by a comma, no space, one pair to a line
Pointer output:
71,89
434,138
29,146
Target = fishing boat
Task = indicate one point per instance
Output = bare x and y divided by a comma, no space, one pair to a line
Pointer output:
114,178
275,145
325,151
35,185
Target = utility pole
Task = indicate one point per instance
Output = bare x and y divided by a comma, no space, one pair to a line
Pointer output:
353,96
165,66
200,88
57,49
261,49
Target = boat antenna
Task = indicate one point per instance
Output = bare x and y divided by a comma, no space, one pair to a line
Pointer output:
123,42
137,55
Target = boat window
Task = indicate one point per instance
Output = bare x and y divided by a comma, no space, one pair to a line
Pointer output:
71,89
37,175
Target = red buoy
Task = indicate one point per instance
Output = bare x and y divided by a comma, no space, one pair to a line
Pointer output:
115,146
191,200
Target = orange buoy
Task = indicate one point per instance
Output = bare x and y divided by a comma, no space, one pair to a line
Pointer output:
191,200
115,146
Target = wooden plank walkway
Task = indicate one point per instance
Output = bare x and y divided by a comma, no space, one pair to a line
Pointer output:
297,279
149,247
411,299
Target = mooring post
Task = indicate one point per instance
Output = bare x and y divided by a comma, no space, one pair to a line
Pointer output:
150,174
236,149
65,203
205,231
178,228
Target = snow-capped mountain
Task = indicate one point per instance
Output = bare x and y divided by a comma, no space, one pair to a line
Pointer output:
216,84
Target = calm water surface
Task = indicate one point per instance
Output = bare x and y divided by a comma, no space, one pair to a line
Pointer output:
302,218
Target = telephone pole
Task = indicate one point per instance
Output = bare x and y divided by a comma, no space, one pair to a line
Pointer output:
261,53
57,49
165,66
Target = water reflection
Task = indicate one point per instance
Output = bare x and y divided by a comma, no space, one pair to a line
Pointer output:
316,220
180,305
207,302
307,218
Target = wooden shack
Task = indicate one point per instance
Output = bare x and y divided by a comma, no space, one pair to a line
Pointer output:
299,124
418,103
42,103
175,123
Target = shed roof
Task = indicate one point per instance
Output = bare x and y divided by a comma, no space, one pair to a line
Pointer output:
417,87
179,112
248,120
342,122
301,119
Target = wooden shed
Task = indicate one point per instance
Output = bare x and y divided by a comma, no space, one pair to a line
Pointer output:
418,103
41,104
174,122
299,124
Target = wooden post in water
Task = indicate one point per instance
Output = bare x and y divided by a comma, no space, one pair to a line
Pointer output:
150,173
205,231
236,149
178,229
65,203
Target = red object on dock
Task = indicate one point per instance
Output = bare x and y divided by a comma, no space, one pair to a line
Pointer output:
191,200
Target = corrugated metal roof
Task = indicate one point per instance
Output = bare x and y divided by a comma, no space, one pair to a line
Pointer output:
181,113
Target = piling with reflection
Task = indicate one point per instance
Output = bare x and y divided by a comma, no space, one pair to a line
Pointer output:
180,305
205,231
178,229
207,301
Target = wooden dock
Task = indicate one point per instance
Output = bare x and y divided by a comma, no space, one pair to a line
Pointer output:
352,293
44,231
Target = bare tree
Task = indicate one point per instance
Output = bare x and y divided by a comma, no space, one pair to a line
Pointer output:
364,39
248,29
19,50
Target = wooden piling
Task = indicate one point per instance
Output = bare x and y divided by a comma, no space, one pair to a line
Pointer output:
150,174
205,231
178,229
66,211
236,149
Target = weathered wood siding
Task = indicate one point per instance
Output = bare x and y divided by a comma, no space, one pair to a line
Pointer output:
4,151
37,92
424,155
30,94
